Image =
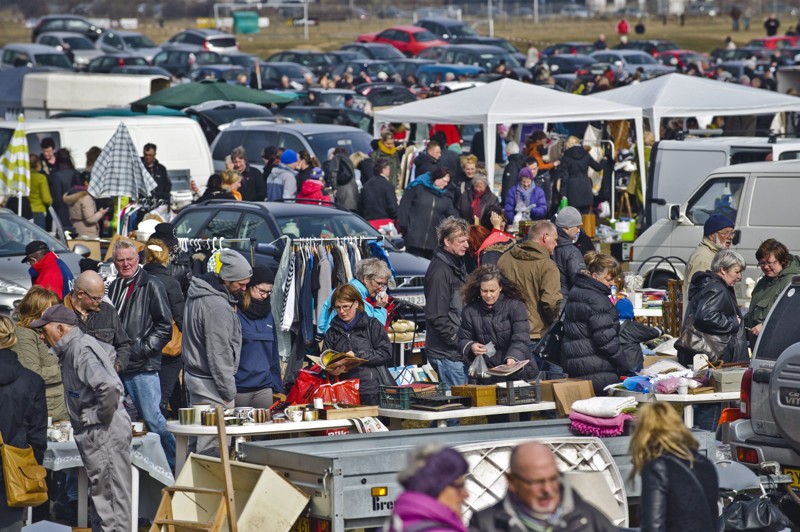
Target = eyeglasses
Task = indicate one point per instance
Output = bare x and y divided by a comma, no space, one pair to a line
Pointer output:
726,234
344,308
96,299
262,292
769,263
538,483
459,485
379,283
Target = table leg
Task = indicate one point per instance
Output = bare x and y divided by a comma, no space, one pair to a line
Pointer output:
134,498
688,416
441,423
514,416
83,497
181,451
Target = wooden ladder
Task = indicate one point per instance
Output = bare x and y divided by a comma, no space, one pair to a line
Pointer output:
165,520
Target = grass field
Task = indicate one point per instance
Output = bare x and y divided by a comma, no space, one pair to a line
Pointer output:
701,34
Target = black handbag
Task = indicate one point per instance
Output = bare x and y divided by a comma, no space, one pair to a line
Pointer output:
693,341
752,513
549,346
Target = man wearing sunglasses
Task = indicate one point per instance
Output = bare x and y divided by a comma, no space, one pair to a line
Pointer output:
718,234
538,498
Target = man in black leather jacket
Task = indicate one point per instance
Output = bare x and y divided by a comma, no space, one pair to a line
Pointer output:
538,498
143,307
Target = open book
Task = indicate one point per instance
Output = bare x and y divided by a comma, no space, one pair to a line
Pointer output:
331,357
504,370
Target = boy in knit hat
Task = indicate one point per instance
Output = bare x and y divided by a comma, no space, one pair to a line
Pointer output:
632,334
313,188
281,183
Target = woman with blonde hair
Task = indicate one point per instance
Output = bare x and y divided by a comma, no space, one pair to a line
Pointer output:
386,149
231,182
679,485
33,353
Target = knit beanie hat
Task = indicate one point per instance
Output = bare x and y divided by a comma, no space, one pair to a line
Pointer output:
625,309
526,172
716,223
261,275
234,266
569,217
316,173
289,157
440,470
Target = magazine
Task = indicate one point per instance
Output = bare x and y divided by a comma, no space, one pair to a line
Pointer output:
504,370
330,357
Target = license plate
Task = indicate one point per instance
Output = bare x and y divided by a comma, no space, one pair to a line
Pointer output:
795,476
789,397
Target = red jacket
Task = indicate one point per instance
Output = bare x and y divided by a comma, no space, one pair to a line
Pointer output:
49,274
312,190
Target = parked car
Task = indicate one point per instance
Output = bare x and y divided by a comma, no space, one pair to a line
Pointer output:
385,94
141,70
410,40
106,63
447,28
773,43
70,23
434,53
374,50
227,73
35,55
437,72
568,63
242,59
212,114
376,69
631,60
132,42
74,45
315,114
256,134
573,47
404,67
487,57
683,58
180,61
651,46
210,40
272,73
267,221
318,62
493,41
15,232
740,54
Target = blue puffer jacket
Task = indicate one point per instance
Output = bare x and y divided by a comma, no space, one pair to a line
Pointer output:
537,205
259,366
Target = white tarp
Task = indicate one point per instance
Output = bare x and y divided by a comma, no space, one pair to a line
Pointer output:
679,95
509,102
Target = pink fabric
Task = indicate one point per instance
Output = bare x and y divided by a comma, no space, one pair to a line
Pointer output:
596,426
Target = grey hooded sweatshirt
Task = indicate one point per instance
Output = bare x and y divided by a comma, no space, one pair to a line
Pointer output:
212,334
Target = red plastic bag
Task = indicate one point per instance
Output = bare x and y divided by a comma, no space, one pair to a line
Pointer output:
344,392
308,381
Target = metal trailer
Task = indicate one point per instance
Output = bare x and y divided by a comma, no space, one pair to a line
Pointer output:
352,480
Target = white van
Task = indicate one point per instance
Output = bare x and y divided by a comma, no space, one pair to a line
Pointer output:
762,200
677,167
181,145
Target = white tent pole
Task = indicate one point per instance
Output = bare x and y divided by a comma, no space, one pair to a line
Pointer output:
19,203
489,137
640,150
655,125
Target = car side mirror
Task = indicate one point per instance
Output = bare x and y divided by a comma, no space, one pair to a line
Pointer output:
82,250
269,249
398,242
737,235
674,212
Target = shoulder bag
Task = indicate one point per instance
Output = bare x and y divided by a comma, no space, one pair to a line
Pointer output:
549,346
24,478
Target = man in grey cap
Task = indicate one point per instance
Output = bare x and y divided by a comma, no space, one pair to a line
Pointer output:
212,335
568,257
101,425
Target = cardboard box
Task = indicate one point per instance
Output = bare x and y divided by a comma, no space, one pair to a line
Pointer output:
649,360
727,379
564,392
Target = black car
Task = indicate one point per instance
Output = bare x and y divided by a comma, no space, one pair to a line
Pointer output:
487,57
651,46
106,63
271,74
376,69
492,41
141,70
318,62
267,221
374,50
71,23
210,115
404,67
572,47
386,94
179,62
568,63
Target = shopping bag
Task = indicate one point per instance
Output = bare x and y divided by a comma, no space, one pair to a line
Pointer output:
342,392
752,513
23,477
478,369
308,381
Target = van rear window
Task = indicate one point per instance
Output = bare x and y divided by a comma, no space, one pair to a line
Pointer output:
780,330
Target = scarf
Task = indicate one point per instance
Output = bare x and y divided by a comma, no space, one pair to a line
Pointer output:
350,326
523,198
258,309
535,521
121,291
386,149
476,202
425,181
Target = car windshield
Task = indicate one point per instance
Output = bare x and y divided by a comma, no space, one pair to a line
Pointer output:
425,36
138,41
490,60
639,59
79,43
289,70
222,42
335,225
386,52
462,31
53,60
353,141
206,58
16,232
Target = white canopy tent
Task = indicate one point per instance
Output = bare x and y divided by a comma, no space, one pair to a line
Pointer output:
510,102
679,95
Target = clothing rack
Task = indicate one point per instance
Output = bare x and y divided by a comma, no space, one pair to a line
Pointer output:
217,243
350,239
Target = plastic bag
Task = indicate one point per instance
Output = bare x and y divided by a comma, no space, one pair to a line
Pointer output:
478,369
638,384
667,385
344,392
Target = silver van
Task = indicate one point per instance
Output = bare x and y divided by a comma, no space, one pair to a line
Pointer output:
760,198
770,392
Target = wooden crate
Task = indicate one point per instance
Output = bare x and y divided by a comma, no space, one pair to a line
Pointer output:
347,412
481,395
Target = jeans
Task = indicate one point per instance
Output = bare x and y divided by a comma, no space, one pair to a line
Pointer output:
543,364
145,390
40,219
450,373
706,417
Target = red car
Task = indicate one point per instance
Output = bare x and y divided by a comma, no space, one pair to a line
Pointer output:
772,43
410,40
682,58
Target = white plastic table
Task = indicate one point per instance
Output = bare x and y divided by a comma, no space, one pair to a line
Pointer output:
396,415
184,432
687,400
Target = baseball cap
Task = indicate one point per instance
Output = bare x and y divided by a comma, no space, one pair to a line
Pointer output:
33,247
56,314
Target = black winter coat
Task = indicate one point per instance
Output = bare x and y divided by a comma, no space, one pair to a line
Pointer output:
576,184
23,419
672,501
505,324
631,335
516,162
106,326
60,182
378,200
148,322
713,307
161,177
174,292
421,210
445,276
569,260
368,340
424,164
254,185
590,348
465,204
180,267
